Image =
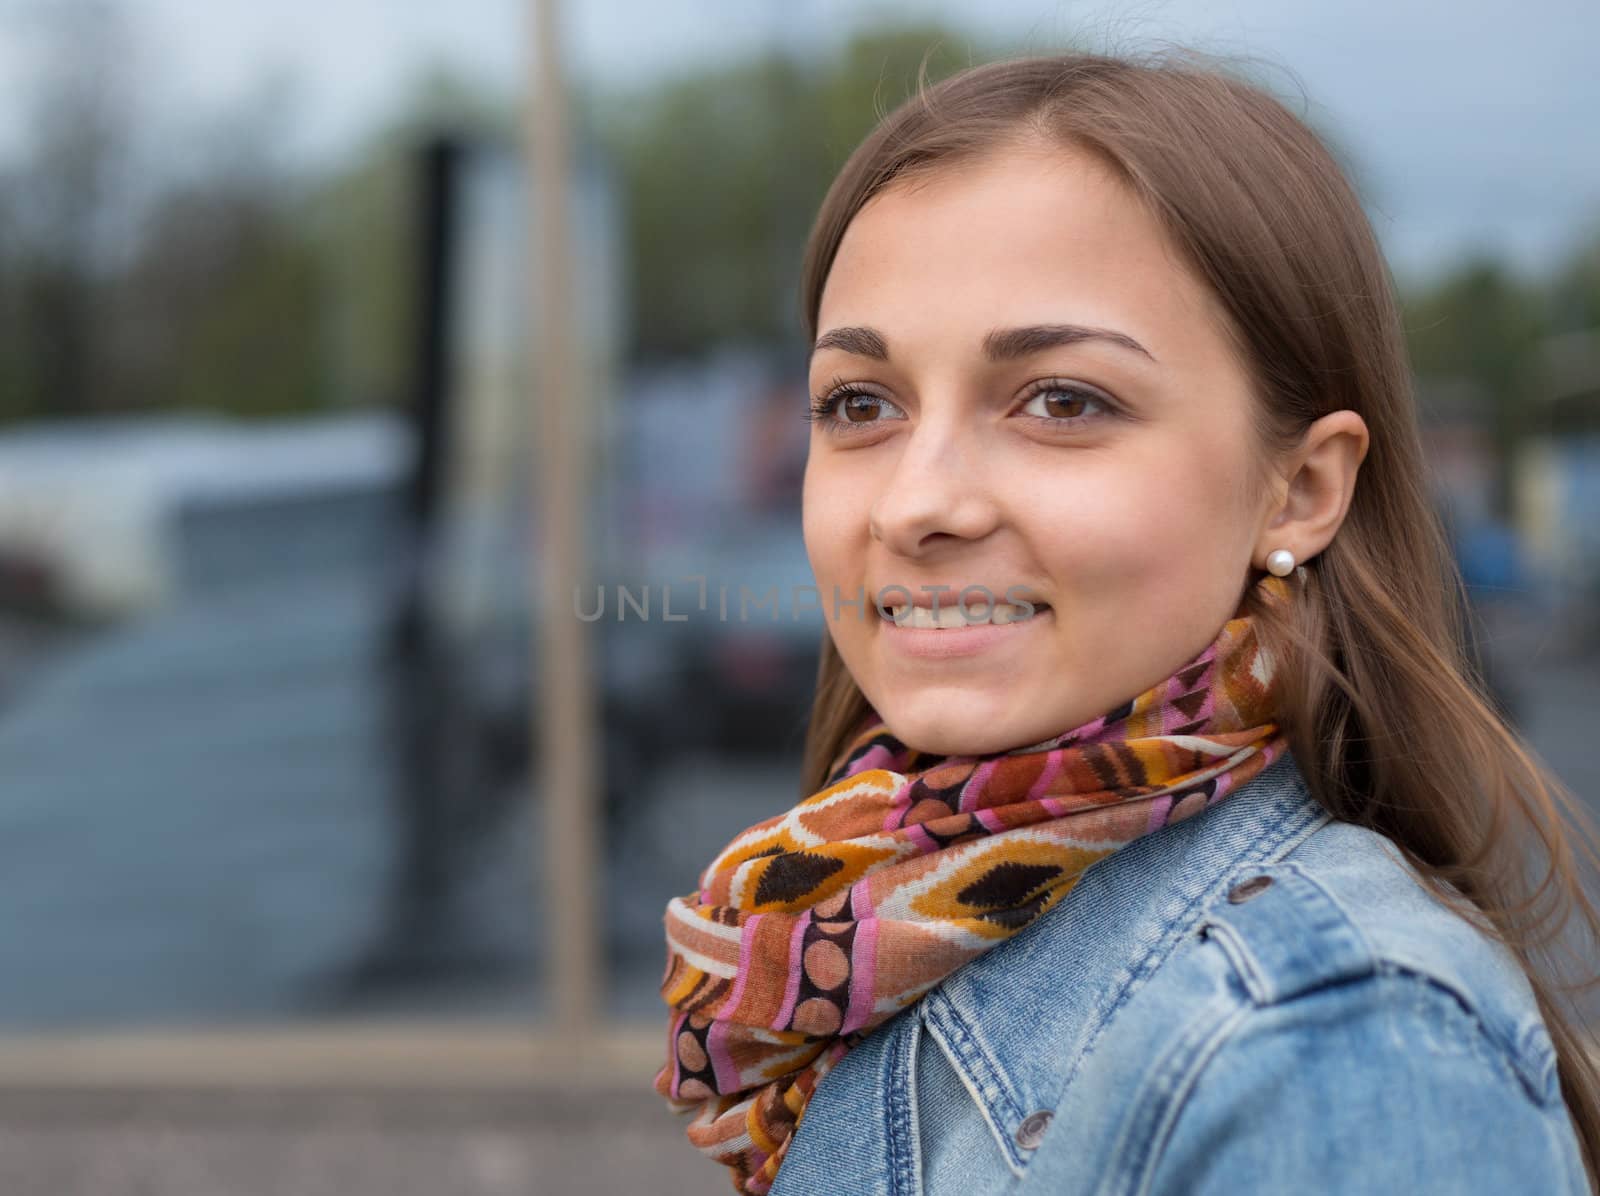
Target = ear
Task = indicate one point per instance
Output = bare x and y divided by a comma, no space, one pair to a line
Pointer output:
1318,479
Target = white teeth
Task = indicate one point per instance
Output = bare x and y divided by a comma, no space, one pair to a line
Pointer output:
1006,613
950,617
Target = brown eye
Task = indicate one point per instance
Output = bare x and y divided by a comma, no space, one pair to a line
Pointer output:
1066,404
860,409
849,408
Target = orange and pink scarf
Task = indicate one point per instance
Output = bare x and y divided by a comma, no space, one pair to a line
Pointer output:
814,926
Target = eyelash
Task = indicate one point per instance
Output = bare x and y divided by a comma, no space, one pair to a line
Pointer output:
823,405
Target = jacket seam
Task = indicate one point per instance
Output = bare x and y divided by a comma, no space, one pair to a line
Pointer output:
1501,1051
1333,899
964,1068
1241,960
1503,1055
1536,1047
1171,1103
905,1161
1256,977
1521,1047
1525,1069
1562,1134
1134,974
1320,818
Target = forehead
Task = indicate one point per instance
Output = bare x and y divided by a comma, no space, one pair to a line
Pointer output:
1023,235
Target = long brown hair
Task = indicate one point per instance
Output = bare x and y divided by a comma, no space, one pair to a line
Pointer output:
1385,711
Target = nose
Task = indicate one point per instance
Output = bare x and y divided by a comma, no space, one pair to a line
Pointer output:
937,493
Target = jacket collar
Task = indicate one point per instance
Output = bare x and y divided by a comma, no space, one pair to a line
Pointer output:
1061,980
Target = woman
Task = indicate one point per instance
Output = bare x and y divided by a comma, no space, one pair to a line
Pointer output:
1158,839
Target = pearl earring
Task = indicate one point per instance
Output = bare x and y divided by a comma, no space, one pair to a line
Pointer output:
1280,562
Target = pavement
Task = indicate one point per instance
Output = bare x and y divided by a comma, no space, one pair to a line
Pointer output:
211,1143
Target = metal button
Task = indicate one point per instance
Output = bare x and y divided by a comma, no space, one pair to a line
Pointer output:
1247,889
1031,1132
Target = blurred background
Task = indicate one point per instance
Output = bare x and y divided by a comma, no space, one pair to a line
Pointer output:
271,828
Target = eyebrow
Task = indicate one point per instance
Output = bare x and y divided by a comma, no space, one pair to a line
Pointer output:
1000,345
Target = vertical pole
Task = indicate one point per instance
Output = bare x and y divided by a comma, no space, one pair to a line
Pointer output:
564,712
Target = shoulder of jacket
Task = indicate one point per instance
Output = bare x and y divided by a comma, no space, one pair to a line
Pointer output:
1345,906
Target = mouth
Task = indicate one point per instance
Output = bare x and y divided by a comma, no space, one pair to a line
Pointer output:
954,617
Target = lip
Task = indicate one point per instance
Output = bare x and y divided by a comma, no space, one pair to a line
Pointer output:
928,643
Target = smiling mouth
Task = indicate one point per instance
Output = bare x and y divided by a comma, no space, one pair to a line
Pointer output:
954,617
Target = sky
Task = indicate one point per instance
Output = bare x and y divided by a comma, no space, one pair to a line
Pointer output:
1471,125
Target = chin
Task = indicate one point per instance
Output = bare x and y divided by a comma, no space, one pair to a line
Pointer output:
958,727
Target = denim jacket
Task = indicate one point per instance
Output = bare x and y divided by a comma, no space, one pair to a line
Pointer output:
1259,998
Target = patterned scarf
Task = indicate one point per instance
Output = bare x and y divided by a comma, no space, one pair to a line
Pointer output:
814,926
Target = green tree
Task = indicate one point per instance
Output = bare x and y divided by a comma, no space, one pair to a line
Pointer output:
60,201
224,307
222,303
722,172
363,220
1481,323
1575,290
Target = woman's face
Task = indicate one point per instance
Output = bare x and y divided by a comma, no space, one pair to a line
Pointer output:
1045,401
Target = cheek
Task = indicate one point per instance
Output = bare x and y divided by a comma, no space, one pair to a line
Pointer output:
1154,526
833,521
